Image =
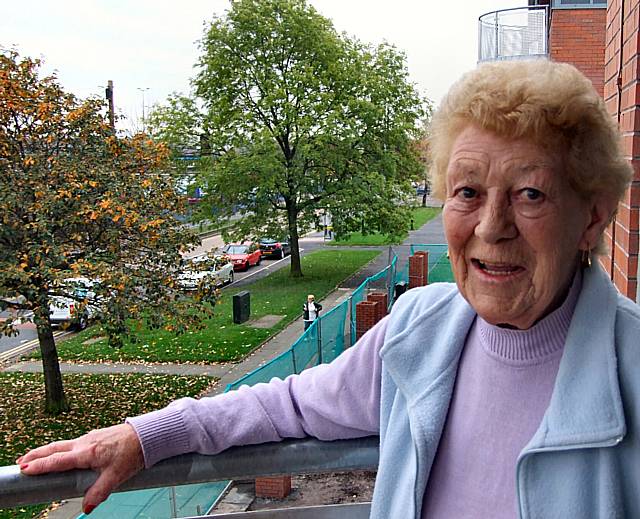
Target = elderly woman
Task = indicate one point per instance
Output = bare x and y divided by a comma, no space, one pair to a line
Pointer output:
509,394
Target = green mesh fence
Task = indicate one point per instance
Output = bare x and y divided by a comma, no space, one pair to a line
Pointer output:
305,350
279,367
331,327
391,285
357,296
439,265
441,271
436,252
324,340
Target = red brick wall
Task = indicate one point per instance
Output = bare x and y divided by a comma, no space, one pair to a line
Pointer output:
277,487
419,269
622,235
577,36
367,315
383,299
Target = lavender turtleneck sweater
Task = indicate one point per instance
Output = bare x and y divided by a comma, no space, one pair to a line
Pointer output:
503,387
504,383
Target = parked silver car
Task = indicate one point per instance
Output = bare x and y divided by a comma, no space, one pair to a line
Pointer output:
219,273
75,311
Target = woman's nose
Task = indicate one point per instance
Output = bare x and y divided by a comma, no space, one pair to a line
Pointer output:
496,221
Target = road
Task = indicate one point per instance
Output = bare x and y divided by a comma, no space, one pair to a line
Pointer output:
307,244
27,339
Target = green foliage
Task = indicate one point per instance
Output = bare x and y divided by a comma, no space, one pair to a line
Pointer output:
97,400
77,201
178,123
222,340
299,118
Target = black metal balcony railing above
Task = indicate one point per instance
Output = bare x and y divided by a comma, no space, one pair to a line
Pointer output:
270,459
520,33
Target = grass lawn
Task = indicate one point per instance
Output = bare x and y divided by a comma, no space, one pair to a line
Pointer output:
222,340
421,215
96,400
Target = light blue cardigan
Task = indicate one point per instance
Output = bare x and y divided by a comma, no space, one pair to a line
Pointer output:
584,460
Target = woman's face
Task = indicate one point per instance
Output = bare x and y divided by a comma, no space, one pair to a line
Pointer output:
514,227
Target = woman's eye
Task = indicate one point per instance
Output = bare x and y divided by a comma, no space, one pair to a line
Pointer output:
467,192
532,194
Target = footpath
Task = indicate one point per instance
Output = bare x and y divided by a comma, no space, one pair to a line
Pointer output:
430,233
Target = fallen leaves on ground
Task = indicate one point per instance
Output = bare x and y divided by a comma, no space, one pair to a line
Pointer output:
96,401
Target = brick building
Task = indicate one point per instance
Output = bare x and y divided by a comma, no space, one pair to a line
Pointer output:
588,34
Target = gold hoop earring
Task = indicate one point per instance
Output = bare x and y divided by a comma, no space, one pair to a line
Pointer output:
586,258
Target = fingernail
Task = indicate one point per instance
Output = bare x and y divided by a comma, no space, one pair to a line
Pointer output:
23,466
19,460
89,508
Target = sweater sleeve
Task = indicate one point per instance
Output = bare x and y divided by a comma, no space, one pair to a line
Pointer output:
330,401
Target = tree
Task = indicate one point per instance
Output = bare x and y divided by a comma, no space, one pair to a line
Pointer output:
300,119
423,150
76,201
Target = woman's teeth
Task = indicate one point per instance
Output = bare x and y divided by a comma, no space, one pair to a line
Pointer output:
497,270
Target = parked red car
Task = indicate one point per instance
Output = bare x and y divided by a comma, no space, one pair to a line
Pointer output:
243,256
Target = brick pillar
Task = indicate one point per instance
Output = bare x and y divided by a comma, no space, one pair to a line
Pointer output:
621,237
277,487
419,269
367,315
383,299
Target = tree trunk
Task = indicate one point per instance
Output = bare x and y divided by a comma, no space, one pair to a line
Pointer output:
292,219
55,400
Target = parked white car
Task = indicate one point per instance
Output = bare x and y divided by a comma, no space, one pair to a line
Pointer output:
72,311
220,273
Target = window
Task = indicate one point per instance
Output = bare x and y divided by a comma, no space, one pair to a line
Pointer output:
578,4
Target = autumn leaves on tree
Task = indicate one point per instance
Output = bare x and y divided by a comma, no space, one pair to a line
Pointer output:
78,201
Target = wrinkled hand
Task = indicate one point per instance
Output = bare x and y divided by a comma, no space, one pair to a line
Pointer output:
115,453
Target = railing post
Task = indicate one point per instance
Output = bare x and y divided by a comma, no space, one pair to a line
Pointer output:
172,501
497,35
319,328
293,360
389,279
352,322
547,24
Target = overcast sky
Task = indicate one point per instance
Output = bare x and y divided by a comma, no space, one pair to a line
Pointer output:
152,44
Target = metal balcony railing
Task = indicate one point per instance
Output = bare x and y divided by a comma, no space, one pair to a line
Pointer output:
270,459
519,33
348,511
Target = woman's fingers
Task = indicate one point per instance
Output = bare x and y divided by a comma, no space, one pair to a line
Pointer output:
46,450
106,483
56,462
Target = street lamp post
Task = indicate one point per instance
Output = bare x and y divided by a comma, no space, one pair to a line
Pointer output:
143,90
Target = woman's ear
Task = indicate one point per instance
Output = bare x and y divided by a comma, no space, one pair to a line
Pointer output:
600,215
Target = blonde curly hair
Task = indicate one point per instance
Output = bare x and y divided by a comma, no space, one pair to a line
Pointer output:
552,104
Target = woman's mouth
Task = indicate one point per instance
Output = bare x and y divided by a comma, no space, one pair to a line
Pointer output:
497,269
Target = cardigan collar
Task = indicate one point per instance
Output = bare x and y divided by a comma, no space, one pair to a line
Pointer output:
585,405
